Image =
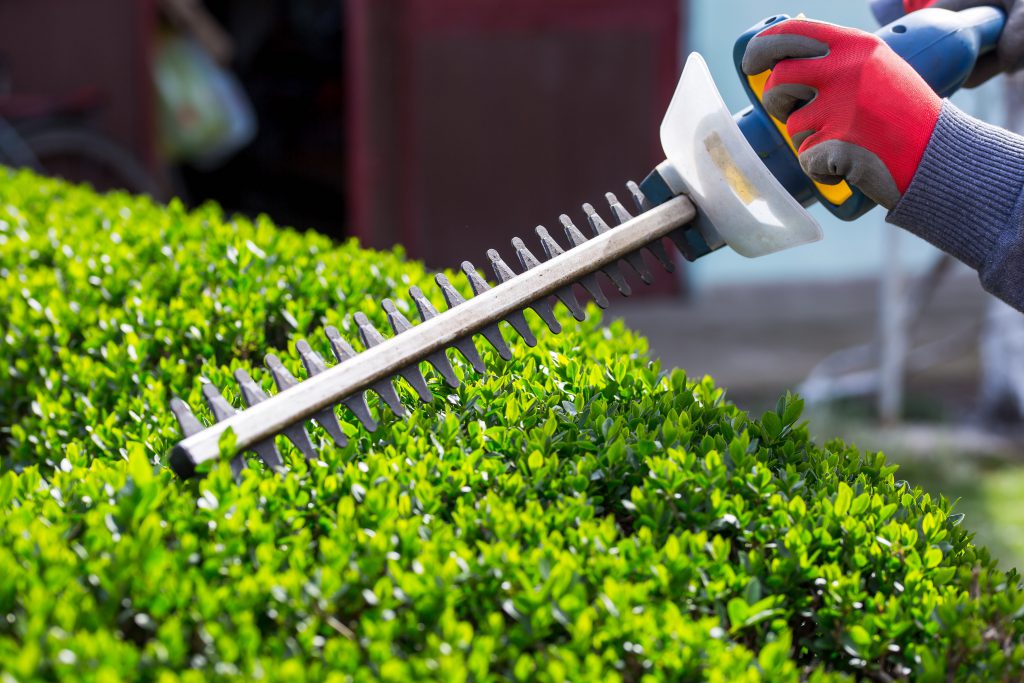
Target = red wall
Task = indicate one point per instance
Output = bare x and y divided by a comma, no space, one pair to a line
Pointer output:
474,120
52,47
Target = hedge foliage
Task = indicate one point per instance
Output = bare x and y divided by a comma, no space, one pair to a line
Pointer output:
579,513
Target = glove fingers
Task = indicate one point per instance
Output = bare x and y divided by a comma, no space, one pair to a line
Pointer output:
801,137
806,121
831,161
765,51
785,98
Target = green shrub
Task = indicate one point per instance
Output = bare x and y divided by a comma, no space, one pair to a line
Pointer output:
576,514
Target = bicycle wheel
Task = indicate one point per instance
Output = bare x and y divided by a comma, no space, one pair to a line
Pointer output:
80,154
13,150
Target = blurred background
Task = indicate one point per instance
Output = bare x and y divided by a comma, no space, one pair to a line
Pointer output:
448,126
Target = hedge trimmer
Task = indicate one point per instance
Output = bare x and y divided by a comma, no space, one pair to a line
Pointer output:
727,181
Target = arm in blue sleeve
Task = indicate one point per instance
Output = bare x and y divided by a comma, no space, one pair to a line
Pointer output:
966,199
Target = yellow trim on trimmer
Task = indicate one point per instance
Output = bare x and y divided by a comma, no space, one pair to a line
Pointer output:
835,194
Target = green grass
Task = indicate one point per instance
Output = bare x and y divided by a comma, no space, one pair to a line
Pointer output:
577,513
989,496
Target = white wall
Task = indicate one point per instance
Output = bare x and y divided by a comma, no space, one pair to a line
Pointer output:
849,250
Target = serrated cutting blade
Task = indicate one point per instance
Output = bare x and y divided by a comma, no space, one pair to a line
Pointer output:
385,359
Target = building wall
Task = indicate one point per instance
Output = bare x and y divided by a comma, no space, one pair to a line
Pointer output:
52,48
474,120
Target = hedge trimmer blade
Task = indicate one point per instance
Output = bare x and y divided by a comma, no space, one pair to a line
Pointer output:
384,359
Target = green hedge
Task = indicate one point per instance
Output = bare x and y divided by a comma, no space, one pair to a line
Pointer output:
579,513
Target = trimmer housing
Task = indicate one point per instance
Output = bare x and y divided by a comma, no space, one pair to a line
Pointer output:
941,45
726,180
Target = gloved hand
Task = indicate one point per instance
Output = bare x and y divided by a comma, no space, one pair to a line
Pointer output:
854,108
1009,52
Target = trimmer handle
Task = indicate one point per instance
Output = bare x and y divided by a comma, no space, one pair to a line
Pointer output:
941,45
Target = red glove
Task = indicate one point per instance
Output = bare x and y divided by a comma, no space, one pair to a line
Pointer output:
854,108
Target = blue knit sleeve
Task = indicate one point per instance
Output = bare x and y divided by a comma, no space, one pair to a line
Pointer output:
966,199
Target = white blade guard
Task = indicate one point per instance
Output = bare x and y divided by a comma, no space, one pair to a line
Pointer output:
715,165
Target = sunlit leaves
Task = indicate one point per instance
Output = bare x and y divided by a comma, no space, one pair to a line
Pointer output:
575,514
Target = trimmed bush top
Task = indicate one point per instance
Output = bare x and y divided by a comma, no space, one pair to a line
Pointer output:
576,514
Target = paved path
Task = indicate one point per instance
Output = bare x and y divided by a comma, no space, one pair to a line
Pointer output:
760,341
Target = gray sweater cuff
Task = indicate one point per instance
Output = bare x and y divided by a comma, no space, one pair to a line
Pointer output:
966,195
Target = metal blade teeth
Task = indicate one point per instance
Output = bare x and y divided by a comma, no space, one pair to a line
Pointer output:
686,238
343,351
438,360
491,333
565,294
253,394
541,307
465,346
589,282
597,224
385,389
685,242
611,270
296,433
618,210
219,405
187,420
680,237
314,364
411,374
656,248
639,199
503,273
222,410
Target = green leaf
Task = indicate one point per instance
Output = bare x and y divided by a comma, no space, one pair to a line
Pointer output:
226,444
738,611
8,482
860,637
794,408
671,548
757,616
772,425
752,594
843,497
139,467
860,504
942,575
535,461
573,513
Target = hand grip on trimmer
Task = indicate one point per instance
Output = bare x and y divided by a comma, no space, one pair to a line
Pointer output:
942,46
